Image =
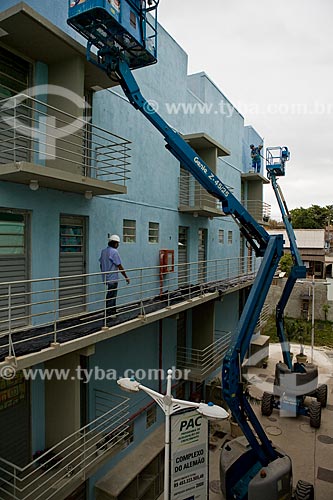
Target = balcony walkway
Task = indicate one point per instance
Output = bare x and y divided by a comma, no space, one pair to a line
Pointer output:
56,472
85,328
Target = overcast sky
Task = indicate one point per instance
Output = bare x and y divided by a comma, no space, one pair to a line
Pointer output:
274,61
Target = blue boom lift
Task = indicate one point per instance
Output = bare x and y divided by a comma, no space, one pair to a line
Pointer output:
293,382
122,35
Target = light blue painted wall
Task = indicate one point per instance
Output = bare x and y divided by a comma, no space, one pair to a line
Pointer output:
37,398
227,312
152,196
54,11
251,136
153,187
45,206
137,350
140,349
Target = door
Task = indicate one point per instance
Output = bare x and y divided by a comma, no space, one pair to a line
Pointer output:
15,420
183,267
202,255
72,265
14,267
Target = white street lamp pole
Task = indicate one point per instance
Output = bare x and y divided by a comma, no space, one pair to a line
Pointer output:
167,408
171,405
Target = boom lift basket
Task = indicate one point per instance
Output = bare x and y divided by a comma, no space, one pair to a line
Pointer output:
276,158
126,27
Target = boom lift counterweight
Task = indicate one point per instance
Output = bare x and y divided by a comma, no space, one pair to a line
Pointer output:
125,39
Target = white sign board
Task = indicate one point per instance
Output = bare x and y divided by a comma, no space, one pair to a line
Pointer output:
189,456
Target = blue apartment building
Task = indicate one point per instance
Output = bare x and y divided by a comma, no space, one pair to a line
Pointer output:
77,164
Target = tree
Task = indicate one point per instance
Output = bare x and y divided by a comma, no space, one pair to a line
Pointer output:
314,217
286,263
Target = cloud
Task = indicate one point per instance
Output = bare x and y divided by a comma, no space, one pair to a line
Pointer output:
270,53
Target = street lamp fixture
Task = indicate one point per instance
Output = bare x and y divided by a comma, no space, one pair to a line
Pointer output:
170,405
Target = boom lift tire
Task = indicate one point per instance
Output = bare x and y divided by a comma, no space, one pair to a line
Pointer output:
267,404
315,414
321,395
304,491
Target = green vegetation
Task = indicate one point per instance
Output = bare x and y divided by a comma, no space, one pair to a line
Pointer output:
299,331
314,217
286,263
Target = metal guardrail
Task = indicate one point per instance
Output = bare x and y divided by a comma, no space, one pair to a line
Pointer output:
265,314
202,362
193,195
259,210
33,131
52,308
73,458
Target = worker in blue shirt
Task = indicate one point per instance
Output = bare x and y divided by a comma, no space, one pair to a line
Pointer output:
110,265
256,157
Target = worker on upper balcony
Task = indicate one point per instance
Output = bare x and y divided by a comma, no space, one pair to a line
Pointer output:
256,157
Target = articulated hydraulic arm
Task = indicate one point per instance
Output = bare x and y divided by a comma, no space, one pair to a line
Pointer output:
293,382
270,248
253,232
275,165
123,44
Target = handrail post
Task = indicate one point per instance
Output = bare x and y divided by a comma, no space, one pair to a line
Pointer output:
189,285
124,167
15,113
54,312
142,309
105,300
84,454
14,483
141,290
10,321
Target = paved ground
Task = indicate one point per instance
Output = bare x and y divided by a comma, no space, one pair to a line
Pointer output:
311,450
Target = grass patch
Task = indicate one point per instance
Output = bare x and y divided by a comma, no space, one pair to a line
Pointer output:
299,331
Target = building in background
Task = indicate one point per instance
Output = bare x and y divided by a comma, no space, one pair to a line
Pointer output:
312,248
79,163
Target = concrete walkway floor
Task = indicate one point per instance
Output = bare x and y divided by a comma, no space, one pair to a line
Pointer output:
311,450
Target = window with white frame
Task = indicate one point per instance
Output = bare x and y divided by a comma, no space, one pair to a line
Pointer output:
221,236
129,231
229,237
153,232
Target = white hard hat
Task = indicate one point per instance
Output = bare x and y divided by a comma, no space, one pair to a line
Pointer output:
114,237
